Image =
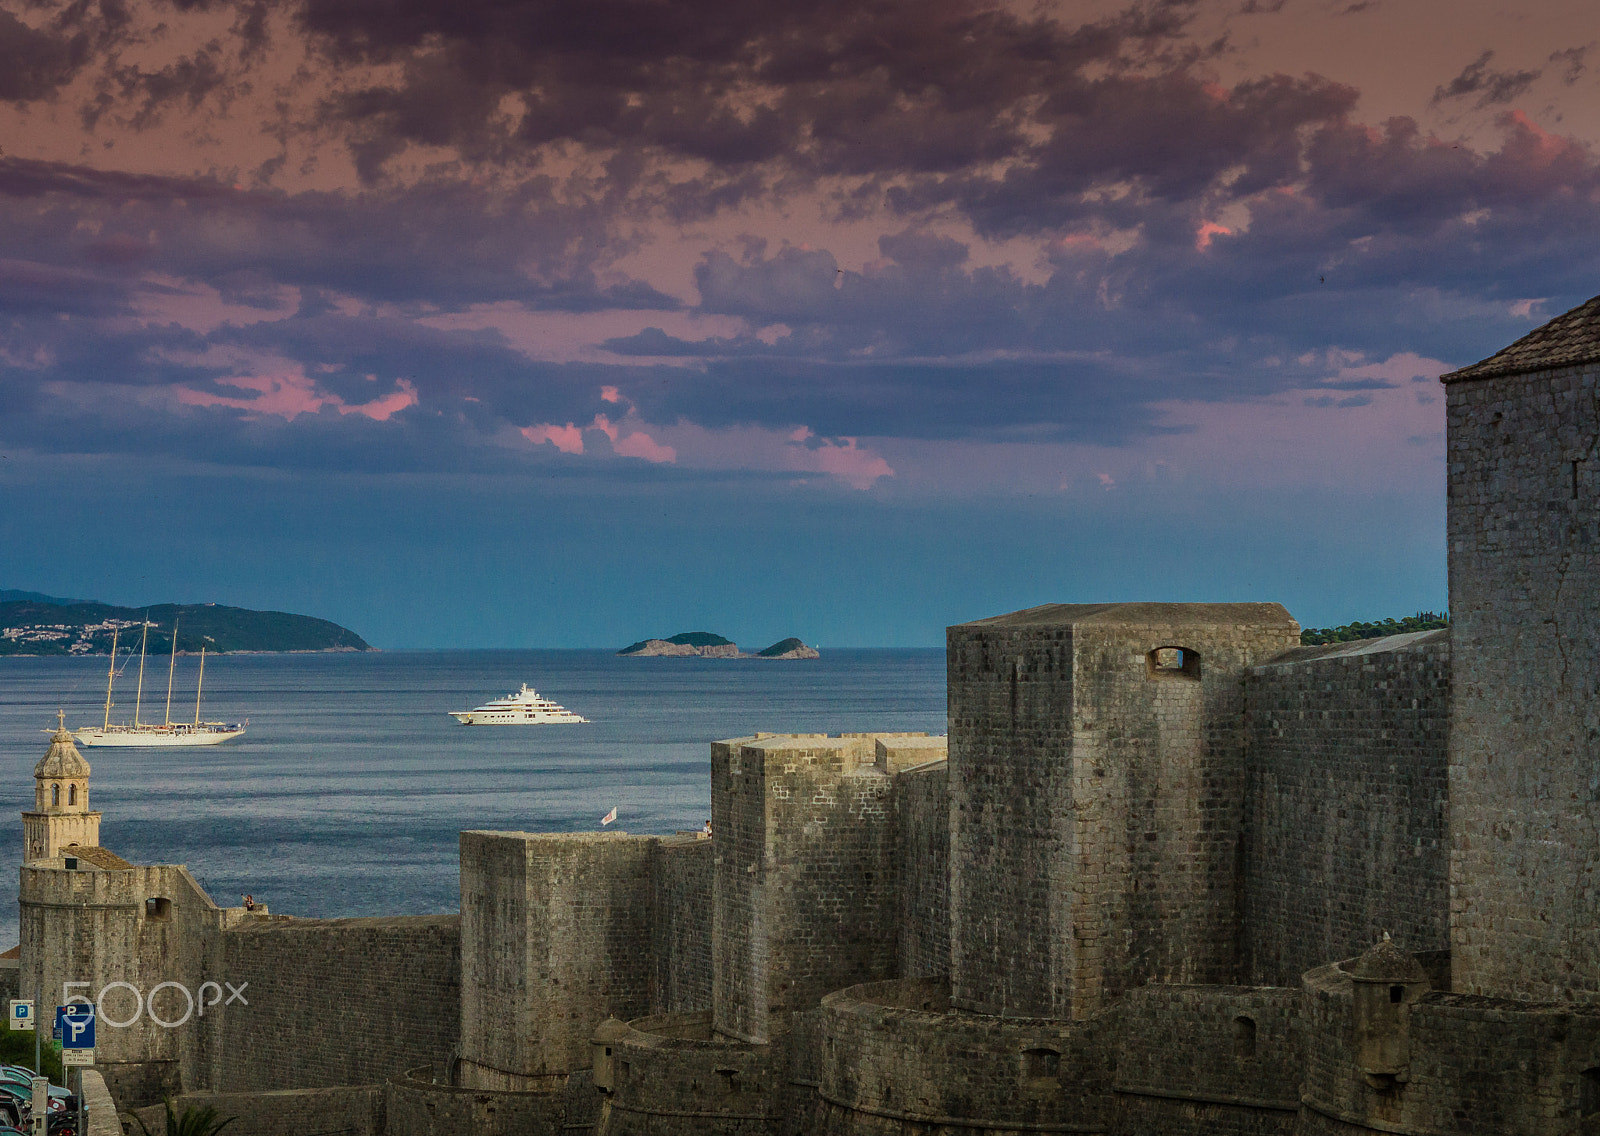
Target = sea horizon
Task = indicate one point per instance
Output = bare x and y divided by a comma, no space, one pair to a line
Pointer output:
347,794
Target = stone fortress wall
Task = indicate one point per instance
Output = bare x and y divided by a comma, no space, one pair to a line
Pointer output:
1150,890
1346,831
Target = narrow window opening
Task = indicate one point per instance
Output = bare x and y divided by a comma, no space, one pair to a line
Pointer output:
72,794
1589,1092
622,1070
1574,481
1173,662
55,795
728,1080
1037,1063
1244,1037
1397,994
157,909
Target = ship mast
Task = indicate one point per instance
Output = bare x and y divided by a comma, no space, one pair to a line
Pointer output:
201,681
111,674
170,666
138,697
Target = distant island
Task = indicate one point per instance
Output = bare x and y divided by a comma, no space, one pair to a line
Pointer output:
790,648
49,627
706,645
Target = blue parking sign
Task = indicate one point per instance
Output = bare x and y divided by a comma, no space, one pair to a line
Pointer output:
75,1025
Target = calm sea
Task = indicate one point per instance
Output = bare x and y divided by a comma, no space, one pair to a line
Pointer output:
346,795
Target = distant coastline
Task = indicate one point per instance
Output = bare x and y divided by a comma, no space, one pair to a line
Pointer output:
36,628
708,645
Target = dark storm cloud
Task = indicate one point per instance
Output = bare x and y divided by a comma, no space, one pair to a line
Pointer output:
821,88
1573,62
1083,400
36,61
1490,87
29,286
1193,241
447,245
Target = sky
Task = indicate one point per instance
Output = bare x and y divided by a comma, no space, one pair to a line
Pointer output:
571,322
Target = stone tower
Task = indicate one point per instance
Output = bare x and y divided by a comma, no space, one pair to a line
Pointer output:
1096,799
1524,531
60,815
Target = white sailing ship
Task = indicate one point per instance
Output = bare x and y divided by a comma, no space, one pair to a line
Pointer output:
527,707
167,733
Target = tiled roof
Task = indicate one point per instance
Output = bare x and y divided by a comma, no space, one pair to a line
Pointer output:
99,857
1565,341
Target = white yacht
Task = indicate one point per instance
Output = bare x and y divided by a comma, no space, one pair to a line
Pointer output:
524,708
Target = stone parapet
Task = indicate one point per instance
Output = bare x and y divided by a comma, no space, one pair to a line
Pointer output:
896,1058
1472,1064
1242,1056
347,1110
673,1077
415,1105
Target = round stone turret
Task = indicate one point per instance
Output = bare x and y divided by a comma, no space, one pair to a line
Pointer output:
606,1036
1385,962
61,816
1386,982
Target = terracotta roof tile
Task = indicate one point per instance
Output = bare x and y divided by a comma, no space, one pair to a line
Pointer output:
1567,340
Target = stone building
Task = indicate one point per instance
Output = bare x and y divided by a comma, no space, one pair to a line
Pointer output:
61,814
1171,874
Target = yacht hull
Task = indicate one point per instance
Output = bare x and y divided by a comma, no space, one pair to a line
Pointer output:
523,708
512,718
157,736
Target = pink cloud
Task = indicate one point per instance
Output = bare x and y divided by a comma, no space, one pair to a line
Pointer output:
1203,235
291,395
610,394
635,443
844,460
380,409
642,445
568,439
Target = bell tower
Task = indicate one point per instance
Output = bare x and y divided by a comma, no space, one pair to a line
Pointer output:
60,815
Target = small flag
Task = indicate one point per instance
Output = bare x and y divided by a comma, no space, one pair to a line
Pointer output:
610,816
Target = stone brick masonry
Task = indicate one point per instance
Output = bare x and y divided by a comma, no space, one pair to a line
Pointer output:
1525,599
1347,818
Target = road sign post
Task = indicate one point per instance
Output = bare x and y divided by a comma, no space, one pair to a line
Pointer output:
22,1013
76,1025
22,1018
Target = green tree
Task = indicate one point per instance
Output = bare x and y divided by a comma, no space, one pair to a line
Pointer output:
16,1048
1348,632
